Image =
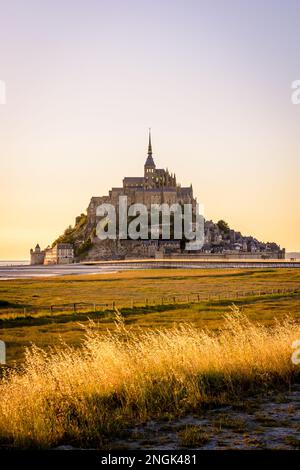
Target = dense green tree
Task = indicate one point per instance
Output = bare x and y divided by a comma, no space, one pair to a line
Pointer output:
223,226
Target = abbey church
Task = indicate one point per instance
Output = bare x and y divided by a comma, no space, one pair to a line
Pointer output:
157,186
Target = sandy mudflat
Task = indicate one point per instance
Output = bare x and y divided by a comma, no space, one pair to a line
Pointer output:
21,272
102,267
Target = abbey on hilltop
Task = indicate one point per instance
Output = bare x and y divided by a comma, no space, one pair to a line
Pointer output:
156,186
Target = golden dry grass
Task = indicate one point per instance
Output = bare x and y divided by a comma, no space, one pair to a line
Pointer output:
44,329
48,331
85,396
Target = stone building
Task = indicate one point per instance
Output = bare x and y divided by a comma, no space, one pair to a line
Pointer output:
37,255
157,186
62,253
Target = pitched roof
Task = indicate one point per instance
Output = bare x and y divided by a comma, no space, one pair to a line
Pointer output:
150,161
133,179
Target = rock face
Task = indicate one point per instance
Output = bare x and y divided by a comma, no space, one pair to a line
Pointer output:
156,186
218,243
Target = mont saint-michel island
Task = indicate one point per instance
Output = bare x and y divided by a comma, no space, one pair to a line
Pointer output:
157,186
149,242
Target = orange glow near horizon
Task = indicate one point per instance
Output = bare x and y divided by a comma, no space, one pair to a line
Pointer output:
82,91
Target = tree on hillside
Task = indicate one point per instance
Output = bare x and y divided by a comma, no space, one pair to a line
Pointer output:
223,226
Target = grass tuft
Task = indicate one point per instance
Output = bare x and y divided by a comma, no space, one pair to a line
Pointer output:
193,436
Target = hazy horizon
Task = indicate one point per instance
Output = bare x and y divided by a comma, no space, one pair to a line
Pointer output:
85,80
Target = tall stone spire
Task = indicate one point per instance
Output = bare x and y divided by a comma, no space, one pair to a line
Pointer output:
149,144
150,162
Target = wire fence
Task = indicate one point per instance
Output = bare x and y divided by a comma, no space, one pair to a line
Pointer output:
147,302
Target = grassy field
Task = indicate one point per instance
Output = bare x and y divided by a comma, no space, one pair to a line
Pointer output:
215,337
138,285
217,290
89,396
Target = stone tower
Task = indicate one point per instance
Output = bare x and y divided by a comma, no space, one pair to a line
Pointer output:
37,255
149,167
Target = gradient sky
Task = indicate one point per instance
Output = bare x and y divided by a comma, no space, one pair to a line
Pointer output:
85,80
